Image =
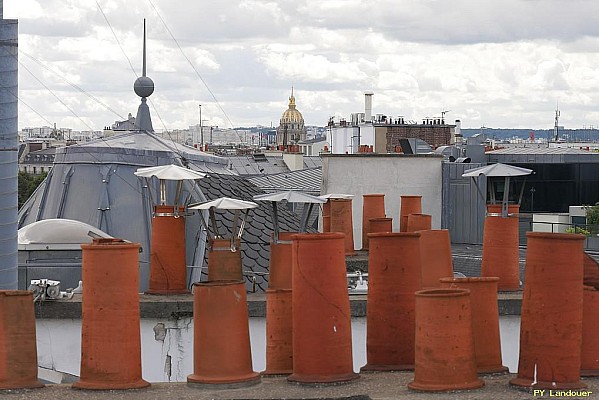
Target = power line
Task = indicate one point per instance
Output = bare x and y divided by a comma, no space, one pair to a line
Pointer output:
55,96
75,114
192,65
115,37
197,73
73,85
137,76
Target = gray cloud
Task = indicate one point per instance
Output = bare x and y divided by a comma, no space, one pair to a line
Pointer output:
490,62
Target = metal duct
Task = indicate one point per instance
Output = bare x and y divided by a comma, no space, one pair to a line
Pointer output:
8,152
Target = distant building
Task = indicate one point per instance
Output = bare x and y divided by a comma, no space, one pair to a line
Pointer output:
39,161
46,132
120,126
291,128
562,176
313,147
384,133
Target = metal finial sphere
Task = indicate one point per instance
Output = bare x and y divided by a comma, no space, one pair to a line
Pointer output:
143,86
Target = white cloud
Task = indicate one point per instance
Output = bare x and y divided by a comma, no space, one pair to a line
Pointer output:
494,63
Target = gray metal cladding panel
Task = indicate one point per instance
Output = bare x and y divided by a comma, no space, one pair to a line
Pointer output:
29,210
464,209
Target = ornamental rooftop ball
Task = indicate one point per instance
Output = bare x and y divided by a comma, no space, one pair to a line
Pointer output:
143,86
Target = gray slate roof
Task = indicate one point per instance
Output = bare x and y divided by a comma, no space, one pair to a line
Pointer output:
305,180
312,162
256,165
255,242
260,164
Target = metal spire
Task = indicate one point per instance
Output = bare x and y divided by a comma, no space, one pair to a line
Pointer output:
144,87
143,68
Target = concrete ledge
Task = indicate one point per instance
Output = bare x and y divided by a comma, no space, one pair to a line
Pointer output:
375,386
181,306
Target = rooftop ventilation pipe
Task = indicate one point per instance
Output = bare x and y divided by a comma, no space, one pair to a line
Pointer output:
8,151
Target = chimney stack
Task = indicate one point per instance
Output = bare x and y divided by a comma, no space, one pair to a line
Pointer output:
368,106
457,134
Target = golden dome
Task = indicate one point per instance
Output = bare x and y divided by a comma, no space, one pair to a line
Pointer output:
292,115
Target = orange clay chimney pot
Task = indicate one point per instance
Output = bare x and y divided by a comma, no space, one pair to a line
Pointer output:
381,225
418,222
444,342
500,247
341,221
279,350
279,332
408,205
435,256
393,277
551,322
326,216
168,266
485,321
222,353
280,262
373,206
224,264
110,270
322,341
18,351
589,364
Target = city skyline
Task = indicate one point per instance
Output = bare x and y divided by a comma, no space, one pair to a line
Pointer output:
505,64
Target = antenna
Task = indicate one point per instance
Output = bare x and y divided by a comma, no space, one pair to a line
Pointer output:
201,130
556,127
443,115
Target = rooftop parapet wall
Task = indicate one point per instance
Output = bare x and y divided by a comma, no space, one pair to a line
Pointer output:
391,174
177,307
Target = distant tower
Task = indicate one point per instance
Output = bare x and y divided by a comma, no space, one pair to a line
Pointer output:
143,87
291,127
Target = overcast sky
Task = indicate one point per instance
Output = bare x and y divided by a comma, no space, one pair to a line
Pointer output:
493,63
